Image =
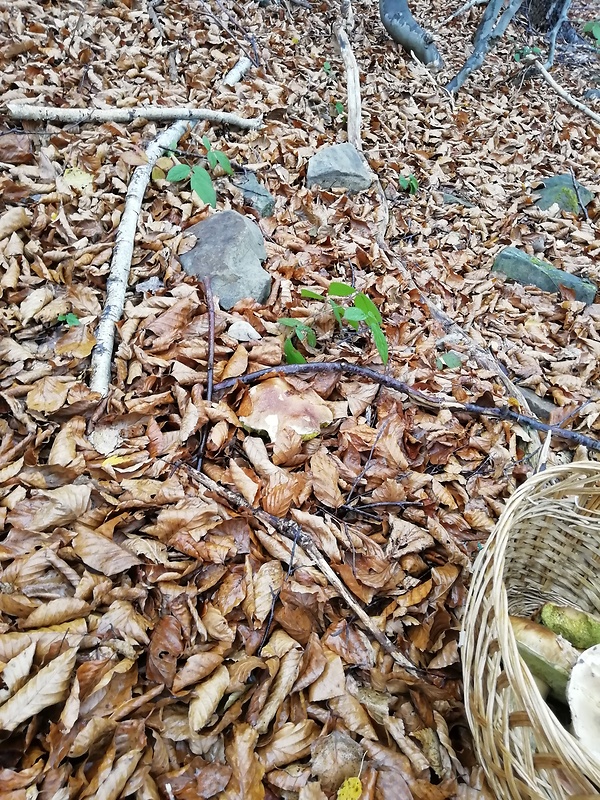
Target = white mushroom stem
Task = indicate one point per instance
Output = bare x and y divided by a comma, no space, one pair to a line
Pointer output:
73,116
118,277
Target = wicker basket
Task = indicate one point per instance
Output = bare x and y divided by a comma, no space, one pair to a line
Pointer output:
546,546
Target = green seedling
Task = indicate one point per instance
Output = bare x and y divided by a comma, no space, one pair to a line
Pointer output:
519,55
410,184
593,28
200,179
361,311
72,320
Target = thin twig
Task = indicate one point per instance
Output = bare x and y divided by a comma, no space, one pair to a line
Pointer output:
562,17
291,530
531,60
482,356
154,18
463,10
210,364
420,398
361,474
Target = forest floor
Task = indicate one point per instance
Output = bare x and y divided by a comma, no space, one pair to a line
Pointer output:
155,642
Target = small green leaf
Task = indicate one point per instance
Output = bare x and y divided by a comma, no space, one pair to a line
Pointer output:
339,107
179,172
380,342
311,295
327,68
206,143
224,162
353,316
337,289
413,185
71,319
338,311
292,356
202,184
368,306
302,331
211,157
448,361
289,322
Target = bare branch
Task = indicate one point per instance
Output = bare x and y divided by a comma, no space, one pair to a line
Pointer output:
152,113
118,277
420,398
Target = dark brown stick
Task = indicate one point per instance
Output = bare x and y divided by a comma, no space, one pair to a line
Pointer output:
420,398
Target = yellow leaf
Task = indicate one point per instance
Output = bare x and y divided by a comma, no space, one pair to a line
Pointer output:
351,789
77,178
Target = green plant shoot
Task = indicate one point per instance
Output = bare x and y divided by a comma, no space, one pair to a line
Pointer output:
362,310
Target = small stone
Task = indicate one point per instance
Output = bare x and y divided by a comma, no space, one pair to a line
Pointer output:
256,195
229,250
339,166
542,408
242,331
531,271
151,285
455,199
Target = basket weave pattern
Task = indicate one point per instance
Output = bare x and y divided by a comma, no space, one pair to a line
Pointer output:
545,546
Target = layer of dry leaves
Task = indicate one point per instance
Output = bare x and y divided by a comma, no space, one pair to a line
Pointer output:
154,643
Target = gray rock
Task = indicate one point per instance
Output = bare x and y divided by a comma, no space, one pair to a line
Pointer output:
542,408
256,195
455,199
565,192
528,270
229,251
242,331
339,165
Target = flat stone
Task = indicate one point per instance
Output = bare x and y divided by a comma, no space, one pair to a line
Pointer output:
339,166
256,195
542,408
530,271
229,250
451,199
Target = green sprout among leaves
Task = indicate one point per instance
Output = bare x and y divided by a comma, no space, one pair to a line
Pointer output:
519,55
327,68
593,28
200,179
410,184
362,310
72,320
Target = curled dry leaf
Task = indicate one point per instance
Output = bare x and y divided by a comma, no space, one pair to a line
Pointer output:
206,697
48,687
282,686
246,780
291,742
267,585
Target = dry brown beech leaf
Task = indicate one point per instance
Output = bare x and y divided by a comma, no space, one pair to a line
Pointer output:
48,687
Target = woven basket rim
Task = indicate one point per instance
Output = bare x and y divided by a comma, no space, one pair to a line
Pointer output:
488,598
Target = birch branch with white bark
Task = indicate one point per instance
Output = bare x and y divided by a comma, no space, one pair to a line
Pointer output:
74,116
116,285
354,109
